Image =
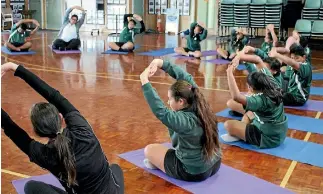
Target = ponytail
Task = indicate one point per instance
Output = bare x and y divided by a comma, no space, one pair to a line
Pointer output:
210,140
66,158
266,84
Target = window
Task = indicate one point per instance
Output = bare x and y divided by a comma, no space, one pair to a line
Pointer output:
115,11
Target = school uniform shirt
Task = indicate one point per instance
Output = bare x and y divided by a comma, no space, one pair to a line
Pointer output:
183,126
16,37
270,118
193,40
69,32
308,54
235,44
266,47
93,174
128,35
300,81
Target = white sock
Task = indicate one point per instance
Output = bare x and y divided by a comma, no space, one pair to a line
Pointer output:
149,165
229,138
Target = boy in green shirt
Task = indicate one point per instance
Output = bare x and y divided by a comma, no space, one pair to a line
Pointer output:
192,126
127,35
17,41
239,40
197,33
264,123
298,74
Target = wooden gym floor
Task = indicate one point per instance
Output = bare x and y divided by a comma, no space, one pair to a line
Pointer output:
107,91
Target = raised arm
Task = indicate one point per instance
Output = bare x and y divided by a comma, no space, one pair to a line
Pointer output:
125,19
67,14
192,28
284,59
15,133
234,90
204,33
176,72
81,20
37,27
50,94
138,18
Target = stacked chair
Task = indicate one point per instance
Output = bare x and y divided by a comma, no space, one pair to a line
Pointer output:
321,12
311,10
241,13
317,29
304,27
226,15
257,13
273,12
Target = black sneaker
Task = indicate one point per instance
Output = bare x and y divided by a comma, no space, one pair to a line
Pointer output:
235,113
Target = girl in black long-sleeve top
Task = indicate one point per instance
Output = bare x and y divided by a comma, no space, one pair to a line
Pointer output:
73,154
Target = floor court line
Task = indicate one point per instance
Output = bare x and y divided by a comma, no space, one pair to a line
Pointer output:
14,173
293,164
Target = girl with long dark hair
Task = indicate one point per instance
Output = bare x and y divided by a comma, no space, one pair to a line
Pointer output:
192,126
72,154
264,123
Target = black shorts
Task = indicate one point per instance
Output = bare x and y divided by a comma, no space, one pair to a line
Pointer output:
189,50
120,44
174,168
253,135
17,44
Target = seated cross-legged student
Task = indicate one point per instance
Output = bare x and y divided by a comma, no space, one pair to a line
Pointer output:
270,39
264,123
239,40
127,35
192,126
68,37
197,33
18,36
298,74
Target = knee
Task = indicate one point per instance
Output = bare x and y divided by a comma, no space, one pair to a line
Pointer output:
228,126
28,44
230,103
149,150
198,54
6,44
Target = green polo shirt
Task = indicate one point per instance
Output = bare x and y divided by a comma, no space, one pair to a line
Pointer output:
16,37
193,41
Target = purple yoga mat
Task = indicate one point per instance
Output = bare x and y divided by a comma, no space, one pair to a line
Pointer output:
226,181
46,178
204,54
313,105
65,52
218,61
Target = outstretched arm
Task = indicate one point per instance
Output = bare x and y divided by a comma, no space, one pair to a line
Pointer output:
15,133
204,33
138,18
289,61
67,14
37,27
234,90
271,29
50,94
81,20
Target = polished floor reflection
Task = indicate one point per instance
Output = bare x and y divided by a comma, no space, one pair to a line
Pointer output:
107,91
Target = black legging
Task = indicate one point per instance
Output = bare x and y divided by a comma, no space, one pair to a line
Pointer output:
73,44
37,187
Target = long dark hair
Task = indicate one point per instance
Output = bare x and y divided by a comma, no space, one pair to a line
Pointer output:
195,99
265,84
47,123
274,64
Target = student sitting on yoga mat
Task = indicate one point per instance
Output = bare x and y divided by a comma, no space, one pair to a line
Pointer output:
197,33
270,39
128,33
239,40
264,123
18,41
68,37
72,154
298,74
191,124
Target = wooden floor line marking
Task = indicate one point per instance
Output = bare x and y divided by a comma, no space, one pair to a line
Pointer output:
14,173
293,164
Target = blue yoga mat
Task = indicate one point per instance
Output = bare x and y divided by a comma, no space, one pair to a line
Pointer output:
226,181
158,53
299,123
317,76
7,51
316,91
312,105
292,149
